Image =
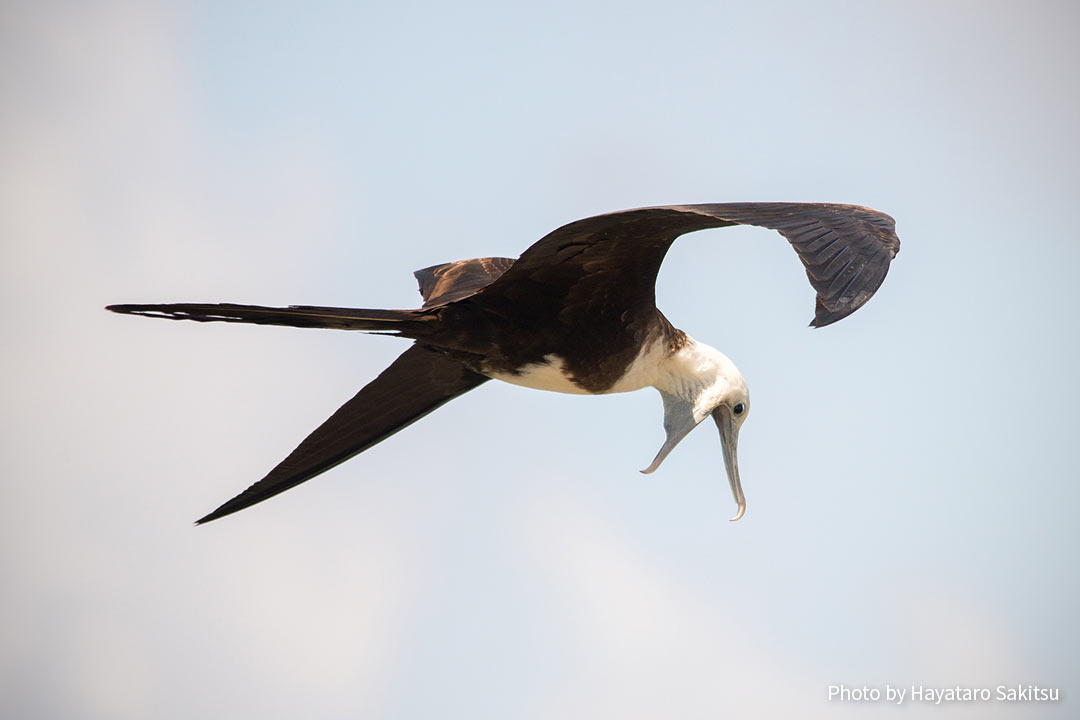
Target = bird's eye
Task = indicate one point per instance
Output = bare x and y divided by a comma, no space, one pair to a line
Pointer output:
739,409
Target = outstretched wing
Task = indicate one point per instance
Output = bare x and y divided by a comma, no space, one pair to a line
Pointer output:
846,250
442,284
419,381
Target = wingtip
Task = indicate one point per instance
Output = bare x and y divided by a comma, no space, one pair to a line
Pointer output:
210,517
825,317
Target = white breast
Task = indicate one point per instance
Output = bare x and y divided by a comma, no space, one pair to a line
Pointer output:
551,374
548,375
645,369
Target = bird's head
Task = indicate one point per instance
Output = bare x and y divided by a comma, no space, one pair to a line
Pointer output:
698,381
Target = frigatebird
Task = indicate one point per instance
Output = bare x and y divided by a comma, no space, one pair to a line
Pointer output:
575,313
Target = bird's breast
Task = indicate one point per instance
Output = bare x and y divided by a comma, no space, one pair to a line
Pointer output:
551,374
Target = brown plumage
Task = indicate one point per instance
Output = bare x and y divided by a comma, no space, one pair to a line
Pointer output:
584,294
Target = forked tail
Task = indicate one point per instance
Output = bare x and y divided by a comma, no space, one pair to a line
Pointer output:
409,323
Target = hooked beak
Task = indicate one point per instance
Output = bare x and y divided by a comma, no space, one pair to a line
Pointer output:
679,420
729,440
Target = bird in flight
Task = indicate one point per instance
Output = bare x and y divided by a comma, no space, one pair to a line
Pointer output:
576,313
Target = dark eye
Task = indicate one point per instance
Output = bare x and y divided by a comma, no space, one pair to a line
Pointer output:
739,409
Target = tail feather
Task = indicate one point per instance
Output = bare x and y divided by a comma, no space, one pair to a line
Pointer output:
401,322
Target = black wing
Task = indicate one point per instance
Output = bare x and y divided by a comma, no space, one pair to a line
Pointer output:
442,284
846,250
419,381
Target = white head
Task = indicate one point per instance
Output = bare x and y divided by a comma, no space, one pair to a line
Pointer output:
697,381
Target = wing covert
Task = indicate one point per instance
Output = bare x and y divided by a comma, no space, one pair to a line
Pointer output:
446,283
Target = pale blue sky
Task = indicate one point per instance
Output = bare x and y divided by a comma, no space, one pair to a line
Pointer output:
910,471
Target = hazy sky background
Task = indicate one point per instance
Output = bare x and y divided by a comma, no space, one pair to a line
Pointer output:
911,472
